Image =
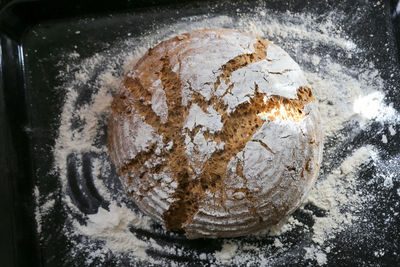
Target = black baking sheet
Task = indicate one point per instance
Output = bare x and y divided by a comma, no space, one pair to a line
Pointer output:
30,108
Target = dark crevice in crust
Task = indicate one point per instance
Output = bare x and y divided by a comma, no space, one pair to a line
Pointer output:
186,195
135,98
189,193
266,146
137,161
242,61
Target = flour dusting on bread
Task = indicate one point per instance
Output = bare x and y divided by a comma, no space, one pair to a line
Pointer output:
232,97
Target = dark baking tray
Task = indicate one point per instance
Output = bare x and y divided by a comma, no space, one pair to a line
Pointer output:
29,109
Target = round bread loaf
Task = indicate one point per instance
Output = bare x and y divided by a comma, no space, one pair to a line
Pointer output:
215,132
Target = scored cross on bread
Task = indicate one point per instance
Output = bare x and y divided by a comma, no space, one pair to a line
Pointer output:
215,132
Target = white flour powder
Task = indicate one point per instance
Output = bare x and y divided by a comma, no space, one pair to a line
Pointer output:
113,227
41,209
335,192
346,95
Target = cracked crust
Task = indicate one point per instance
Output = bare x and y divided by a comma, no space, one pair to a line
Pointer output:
229,174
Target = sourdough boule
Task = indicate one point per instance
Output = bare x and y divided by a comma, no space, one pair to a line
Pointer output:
216,132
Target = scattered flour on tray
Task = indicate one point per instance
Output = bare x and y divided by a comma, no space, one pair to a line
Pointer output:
345,95
41,209
336,191
314,253
112,226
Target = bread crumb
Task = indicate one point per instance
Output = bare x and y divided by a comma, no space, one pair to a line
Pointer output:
384,139
203,256
226,253
392,131
277,243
